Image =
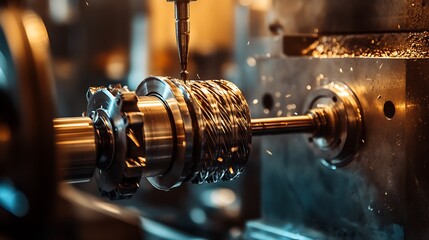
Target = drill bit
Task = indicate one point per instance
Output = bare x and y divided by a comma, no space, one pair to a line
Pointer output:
181,12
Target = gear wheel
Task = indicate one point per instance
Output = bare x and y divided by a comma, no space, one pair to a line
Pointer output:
119,129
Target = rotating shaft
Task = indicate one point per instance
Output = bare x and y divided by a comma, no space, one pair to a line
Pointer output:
76,138
307,123
76,146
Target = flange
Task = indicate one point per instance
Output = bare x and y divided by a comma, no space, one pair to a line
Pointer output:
338,141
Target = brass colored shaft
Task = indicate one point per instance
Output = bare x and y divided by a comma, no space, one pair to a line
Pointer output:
77,150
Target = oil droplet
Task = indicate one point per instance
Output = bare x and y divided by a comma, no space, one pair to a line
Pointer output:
266,110
316,30
351,69
279,113
385,193
308,87
251,61
291,106
248,43
341,70
255,101
277,94
327,164
198,215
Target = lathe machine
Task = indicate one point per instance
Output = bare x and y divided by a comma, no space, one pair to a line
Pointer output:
336,102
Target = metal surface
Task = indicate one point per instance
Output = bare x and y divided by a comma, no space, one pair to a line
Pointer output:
76,144
211,127
158,136
381,193
169,131
180,119
337,16
380,50
224,138
116,115
341,130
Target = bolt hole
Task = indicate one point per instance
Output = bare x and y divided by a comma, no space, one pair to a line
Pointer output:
268,101
335,99
389,110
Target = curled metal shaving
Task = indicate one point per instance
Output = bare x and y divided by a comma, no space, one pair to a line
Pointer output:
222,121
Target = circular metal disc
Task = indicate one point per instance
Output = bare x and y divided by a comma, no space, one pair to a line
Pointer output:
338,144
168,92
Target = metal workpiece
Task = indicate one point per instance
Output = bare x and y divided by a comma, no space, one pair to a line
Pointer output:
183,30
211,123
224,136
158,136
179,118
119,126
77,150
168,131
